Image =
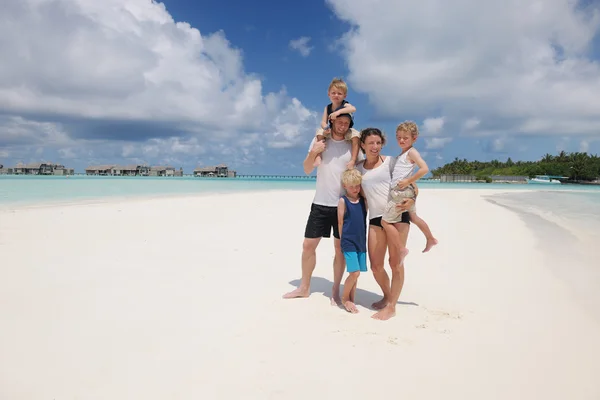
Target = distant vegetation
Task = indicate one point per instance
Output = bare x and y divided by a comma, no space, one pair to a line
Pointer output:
575,166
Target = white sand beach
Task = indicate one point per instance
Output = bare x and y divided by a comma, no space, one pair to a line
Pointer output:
180,298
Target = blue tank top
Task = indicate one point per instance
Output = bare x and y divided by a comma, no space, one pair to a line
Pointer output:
354,230
330,107
330,110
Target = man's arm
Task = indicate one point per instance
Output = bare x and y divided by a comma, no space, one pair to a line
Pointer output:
341,209
316,149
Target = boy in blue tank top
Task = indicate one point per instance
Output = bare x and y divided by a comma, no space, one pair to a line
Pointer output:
352,222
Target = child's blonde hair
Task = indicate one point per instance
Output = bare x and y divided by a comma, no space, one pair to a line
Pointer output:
410,127
338,83
351,177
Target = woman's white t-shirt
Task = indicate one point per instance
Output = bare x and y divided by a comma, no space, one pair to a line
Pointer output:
376,186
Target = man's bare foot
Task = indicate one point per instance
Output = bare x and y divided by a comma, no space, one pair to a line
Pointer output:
350,307
378,305
430,243
294,294
384,314
336,301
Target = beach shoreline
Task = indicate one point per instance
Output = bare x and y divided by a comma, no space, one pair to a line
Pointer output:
181,297
569,251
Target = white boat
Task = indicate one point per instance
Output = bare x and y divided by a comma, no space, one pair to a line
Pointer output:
546,179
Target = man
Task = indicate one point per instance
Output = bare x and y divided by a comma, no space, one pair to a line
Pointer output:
335,153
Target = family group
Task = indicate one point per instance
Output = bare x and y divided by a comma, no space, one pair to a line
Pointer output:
354,180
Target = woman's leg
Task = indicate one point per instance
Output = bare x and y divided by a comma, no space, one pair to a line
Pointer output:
397,274
377,249
397,248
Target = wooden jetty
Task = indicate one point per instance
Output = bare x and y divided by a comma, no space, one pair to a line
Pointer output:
295,177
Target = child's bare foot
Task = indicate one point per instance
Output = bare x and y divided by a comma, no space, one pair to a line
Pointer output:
350,307
350,165
317,161
430,243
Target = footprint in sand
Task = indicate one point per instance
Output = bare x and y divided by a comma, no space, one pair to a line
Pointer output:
441,314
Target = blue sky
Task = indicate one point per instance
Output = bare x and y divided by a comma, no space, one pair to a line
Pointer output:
200,83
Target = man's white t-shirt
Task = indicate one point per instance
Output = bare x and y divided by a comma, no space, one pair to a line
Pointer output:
376,186
336,155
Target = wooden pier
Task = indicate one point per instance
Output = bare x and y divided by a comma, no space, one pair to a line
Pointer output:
294,177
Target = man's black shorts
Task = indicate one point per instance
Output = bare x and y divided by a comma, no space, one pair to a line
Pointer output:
320,221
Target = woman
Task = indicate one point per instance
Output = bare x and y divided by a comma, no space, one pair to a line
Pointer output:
376,180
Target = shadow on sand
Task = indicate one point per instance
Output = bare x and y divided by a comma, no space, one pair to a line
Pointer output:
363,297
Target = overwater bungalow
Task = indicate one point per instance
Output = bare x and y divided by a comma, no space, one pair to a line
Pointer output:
118,170
42,168
162,170
219,171
131,170
101,170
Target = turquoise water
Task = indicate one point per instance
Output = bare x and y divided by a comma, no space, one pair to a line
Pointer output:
576,211
567,228
26,190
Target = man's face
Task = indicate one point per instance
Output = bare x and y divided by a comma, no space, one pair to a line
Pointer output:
341,125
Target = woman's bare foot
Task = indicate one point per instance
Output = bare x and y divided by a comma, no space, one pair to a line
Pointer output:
430,243
385,314
294,294
350,307
378,305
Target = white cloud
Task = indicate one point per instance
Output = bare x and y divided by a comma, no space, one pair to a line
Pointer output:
301,45
292,126
471,123
498,144
518,66
18,131
67,153
433,126
437,143
584,146
72,70
123,60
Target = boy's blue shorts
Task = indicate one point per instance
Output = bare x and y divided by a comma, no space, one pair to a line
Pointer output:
355,261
